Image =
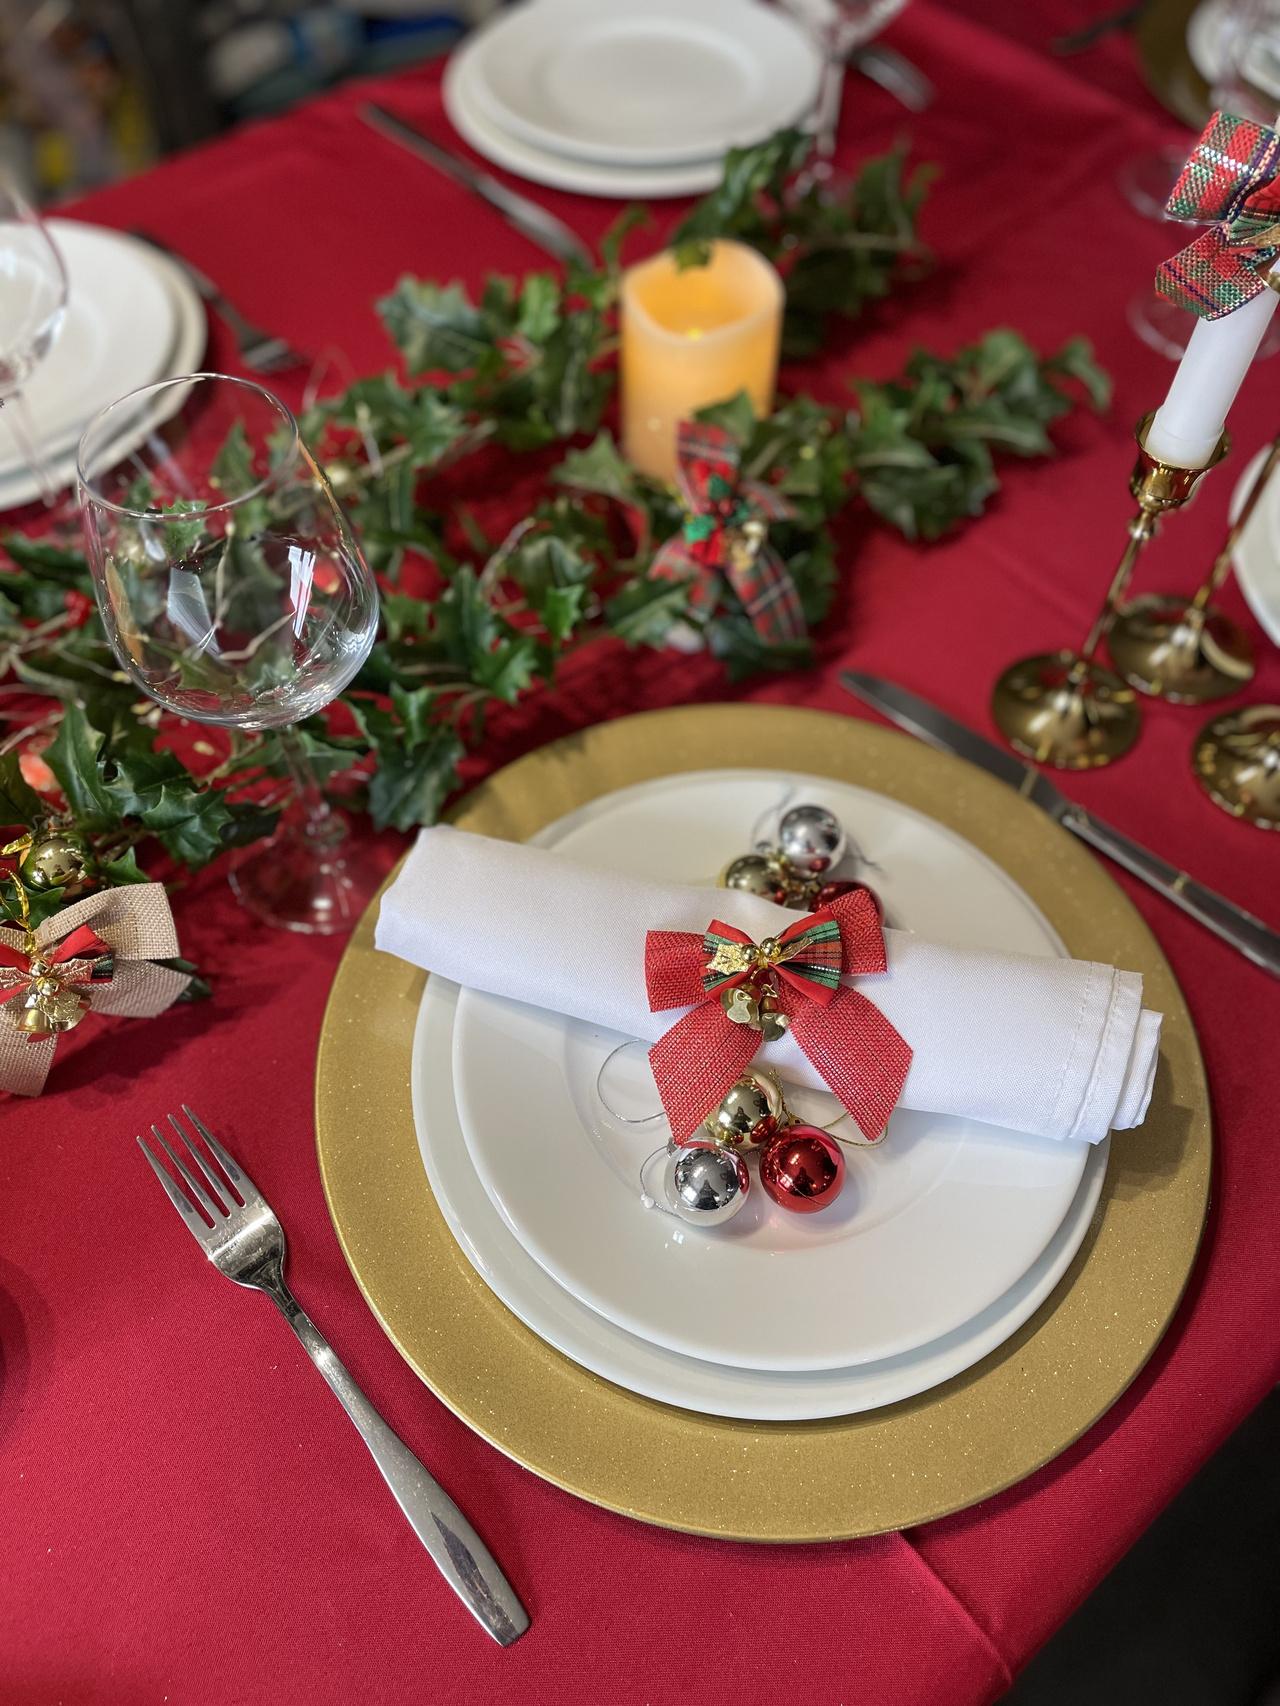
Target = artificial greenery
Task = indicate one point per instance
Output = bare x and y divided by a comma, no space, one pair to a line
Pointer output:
469,621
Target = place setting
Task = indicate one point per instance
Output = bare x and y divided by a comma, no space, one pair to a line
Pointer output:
757,1121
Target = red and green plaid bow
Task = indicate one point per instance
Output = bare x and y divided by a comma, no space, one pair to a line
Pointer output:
725,530
1229,179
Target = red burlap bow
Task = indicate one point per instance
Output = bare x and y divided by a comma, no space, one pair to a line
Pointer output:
725,533
740,992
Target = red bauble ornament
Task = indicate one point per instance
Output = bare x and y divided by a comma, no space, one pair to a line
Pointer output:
830,892
802,1169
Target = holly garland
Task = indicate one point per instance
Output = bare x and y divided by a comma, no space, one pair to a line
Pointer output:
471,621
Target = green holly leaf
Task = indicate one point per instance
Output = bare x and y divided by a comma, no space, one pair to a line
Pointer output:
509,668
643,612
73,757
122,870
561,609
435,327
411,784
465,625
601,468
539,312
231,470
20,805
735,415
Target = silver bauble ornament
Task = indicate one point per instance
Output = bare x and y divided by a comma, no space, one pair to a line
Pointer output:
750,1113
811,838
705,1185
756,873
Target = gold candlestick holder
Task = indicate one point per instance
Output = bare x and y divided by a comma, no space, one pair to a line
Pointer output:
1188,651
1065,708
1237,763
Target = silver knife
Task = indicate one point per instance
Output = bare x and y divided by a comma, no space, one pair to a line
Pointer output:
1247,934
537,224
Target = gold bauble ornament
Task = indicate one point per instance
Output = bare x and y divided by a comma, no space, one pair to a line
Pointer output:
750,1113
61,860
757,873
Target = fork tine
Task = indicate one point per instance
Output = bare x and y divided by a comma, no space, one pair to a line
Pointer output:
206,1174
178,1198
240,1180
212,1208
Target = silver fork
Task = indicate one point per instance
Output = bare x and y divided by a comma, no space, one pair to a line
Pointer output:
235,1226
261,352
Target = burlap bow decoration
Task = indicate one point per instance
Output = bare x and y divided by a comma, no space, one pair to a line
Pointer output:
93,956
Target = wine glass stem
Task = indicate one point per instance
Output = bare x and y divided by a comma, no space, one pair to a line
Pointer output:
322,825
21,426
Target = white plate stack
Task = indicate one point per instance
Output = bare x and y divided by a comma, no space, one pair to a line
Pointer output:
132,318
629,97
947,1237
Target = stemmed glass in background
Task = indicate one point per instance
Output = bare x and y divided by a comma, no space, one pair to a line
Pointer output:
233,592
838,27
33,299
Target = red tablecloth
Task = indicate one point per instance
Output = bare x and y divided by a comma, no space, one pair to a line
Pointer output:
187,1516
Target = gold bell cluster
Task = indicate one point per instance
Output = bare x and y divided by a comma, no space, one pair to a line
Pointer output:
47,1006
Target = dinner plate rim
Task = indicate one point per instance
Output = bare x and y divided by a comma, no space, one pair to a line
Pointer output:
547,140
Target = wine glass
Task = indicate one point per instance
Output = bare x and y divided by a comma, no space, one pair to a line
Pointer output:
33,300
233,591
838,28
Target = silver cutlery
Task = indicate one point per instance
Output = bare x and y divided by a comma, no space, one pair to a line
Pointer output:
1077,41
236,1228
1245,933
541,227
895,73
260,351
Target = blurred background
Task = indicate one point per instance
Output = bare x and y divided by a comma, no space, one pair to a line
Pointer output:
91,90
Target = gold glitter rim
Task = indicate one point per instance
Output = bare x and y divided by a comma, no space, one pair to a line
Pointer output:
781,1481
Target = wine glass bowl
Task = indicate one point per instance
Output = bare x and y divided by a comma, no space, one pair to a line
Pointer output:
233,592
33,301
229,581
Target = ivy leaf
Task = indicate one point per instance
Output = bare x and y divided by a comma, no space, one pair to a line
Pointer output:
20,805
601,468
410,782
435,327
73,757
643,612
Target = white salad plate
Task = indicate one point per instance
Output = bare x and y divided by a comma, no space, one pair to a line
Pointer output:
1257,558
934,1224
644,82
716,1389
560,171
132,319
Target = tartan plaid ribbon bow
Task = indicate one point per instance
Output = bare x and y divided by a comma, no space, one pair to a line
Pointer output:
1229,179
726,532
741,993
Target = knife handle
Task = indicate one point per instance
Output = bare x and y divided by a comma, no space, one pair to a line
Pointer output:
1246,934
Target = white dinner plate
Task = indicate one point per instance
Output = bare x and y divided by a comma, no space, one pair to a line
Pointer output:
117,330
1257,558
644,82
188,331
934,1224
559,171
716,1389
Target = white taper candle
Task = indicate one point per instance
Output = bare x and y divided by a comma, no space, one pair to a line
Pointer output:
1189,423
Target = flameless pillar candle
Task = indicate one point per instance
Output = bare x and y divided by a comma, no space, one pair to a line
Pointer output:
694,337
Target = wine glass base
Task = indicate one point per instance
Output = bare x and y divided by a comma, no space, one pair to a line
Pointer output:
1163,647
314,884
1061,710
1237,762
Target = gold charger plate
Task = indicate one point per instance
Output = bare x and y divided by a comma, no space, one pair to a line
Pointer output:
1167,66
886,1469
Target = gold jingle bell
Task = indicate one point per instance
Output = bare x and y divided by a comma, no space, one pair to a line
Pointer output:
751,1112
58,861
49,1007
773,1021
757,873
742,1005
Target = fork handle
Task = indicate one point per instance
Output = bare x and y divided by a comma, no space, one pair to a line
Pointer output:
459,1553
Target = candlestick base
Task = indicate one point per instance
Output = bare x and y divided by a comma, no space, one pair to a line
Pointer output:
1180,651
1237,763
1063,709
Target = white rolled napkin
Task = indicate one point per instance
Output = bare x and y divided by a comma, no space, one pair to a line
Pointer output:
1057,1048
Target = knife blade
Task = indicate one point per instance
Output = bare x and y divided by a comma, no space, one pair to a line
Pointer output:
535,222
1246,934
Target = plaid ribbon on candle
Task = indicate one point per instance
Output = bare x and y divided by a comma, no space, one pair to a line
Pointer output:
725,532
1230,180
